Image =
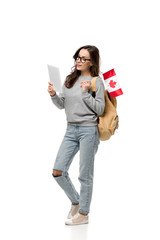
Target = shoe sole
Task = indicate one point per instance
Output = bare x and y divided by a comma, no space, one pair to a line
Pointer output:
71,224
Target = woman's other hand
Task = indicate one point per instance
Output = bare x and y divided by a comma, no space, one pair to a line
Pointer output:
85,85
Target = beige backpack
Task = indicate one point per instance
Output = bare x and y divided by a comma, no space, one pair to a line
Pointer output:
109,120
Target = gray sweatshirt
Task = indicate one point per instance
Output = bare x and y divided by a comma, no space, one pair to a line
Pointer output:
81,108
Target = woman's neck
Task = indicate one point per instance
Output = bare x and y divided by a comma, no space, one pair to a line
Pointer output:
85,74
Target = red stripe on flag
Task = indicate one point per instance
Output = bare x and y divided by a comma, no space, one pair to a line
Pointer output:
116,93
109,74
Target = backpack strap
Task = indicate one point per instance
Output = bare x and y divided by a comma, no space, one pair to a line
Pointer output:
93,85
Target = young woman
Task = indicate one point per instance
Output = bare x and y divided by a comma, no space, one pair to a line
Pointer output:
82,111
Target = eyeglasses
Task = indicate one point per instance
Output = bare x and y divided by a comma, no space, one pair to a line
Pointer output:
82,59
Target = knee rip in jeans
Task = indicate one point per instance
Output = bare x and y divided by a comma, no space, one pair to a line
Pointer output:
57,173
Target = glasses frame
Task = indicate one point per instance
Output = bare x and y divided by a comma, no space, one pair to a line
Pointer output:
84,59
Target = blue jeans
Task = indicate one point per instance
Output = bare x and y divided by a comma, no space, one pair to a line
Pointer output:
85,139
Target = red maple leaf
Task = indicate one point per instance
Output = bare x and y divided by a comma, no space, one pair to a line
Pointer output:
112,84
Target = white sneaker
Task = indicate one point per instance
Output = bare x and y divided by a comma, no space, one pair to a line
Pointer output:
77,220
73,211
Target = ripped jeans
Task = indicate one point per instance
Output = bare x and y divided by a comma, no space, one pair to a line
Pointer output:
85,139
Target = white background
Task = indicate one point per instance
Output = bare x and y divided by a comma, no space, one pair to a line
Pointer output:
125,203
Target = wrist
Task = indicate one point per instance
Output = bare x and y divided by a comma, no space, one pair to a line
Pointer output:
53,94
84,90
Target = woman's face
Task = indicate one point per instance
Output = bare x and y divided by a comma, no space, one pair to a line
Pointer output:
82,64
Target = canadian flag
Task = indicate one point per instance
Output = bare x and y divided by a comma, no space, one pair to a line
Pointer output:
111,83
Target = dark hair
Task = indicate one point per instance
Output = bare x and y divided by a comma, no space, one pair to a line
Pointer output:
94,69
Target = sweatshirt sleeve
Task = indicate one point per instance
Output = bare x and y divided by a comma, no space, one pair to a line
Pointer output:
59,100
97,104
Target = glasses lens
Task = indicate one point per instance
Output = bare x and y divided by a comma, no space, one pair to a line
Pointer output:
83,60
